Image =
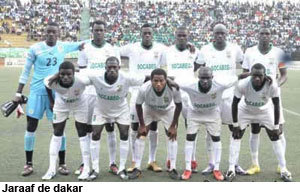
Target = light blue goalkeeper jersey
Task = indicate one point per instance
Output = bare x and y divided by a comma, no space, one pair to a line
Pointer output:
45,61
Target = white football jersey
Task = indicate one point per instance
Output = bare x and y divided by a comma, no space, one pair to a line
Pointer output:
164,102
73,96
113,98
180,64
205,102
222,63
94,58
272,60
255,101
141,60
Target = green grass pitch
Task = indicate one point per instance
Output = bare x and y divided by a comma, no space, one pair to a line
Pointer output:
13,158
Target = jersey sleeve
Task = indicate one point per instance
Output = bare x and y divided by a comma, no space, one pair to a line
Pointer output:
82,59
200,58
135,80
238,90
246,61
125,50
30,59
71,46
84,78
141,96
239,55
274,91
177,96
283,59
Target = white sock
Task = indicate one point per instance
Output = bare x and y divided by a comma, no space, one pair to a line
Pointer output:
254,144
189,145
89,138
112,146
172,150
132,139
283,141
139,150
95,149
153,141
124,149
195,149
234,151
209,148
85,152
217,150
278,150
53,151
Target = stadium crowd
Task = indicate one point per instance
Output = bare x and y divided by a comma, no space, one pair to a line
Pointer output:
243,19
34,15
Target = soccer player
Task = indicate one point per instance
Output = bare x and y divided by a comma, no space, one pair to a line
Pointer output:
221,56
92,58
273,59
69,98
45,57
180,65
112,88
158,99
143,57
206,96
256,107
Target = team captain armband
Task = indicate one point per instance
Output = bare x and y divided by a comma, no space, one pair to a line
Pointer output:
281,65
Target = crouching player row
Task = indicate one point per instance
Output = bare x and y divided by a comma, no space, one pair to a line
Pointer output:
111,107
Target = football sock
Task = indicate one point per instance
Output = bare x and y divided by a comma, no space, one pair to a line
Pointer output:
194,149
53,151
124,149
217,150
139,150
254,144
95,149
234,150
172,152
153,141
283,141
29,140
85,152
133,135
112,146
188,154
278,150
209,148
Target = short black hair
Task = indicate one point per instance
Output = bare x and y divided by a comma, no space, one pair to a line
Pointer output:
67,65
158,71
112,58
53,24
146,26
99,22
258,66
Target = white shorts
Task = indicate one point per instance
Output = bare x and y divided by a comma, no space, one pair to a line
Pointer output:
133,115
91,103
61,111
151,115
101,119
212,123
79,115
263,118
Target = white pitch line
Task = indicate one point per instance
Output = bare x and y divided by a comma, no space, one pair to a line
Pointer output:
292,112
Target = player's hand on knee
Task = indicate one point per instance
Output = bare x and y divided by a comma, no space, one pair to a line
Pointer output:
142,131
236,132
172,133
